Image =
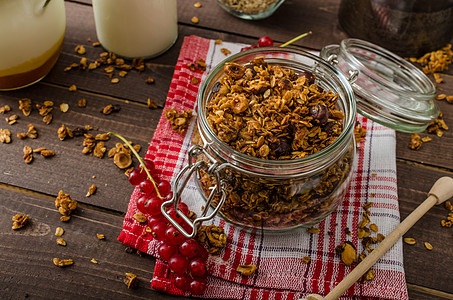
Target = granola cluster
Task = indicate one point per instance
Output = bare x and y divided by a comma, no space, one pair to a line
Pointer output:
274,113
249,7
271,112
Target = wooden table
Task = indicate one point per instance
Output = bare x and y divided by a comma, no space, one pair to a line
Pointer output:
26,266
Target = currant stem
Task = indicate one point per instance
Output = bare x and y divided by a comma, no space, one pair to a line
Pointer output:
296,39
142,162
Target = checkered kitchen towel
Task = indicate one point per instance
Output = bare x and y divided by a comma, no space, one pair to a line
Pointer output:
281,273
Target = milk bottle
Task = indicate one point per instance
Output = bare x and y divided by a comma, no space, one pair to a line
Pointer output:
31,37
136,28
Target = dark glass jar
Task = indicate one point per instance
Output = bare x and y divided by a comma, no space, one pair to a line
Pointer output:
409,28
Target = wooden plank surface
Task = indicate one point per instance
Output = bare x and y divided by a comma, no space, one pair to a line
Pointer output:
26,263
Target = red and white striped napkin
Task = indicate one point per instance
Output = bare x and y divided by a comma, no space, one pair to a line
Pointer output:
281,272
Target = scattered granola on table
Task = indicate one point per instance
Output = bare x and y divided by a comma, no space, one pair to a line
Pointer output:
213,237
5,136
65,205
179,121
435,61
130,280
19,221
62,262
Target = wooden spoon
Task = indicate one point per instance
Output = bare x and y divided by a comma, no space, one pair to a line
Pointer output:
441,191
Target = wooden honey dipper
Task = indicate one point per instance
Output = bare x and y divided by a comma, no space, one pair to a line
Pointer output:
441,191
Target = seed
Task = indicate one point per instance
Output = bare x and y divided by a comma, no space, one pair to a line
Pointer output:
441,96
94,261
62,262
61,242
347,252
140,217
82,102
246,270
428,246
114,80
197,5
131,280
195,20
409,241
59,231
64,107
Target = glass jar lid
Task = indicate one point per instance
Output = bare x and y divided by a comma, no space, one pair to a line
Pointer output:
388,89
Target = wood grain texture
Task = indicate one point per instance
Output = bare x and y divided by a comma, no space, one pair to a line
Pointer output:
27,270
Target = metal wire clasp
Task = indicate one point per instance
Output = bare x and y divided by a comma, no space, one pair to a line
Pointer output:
213,168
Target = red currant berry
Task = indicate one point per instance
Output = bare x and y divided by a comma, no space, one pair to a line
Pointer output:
197,267
198,286
189,248
178,263
150,205
156,219
248,48
149,164
186,227
158,230
147,187
172,212
165,250
182,282
135,177
203,254
164,188
265,41
173,236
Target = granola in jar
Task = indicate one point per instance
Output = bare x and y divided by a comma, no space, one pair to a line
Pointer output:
283,139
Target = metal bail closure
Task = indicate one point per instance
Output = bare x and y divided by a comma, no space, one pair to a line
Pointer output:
177,187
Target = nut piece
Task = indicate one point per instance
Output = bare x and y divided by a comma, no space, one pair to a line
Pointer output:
25,106
428,246
140,217
5,136
62,262
246,270
64,107
65,204
61,242
122,159
131,280
59,231
306,259
409,241
195,20
178,121
313,230
347,252
91,190
19,221
82,102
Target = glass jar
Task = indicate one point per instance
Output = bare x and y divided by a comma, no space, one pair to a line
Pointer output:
407,27
31,35
388,89
250,10
272,195
136,28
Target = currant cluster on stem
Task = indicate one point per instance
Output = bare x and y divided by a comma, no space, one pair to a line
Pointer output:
263,41
185,257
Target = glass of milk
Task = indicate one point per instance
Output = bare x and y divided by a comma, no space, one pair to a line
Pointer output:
31,38
136,28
